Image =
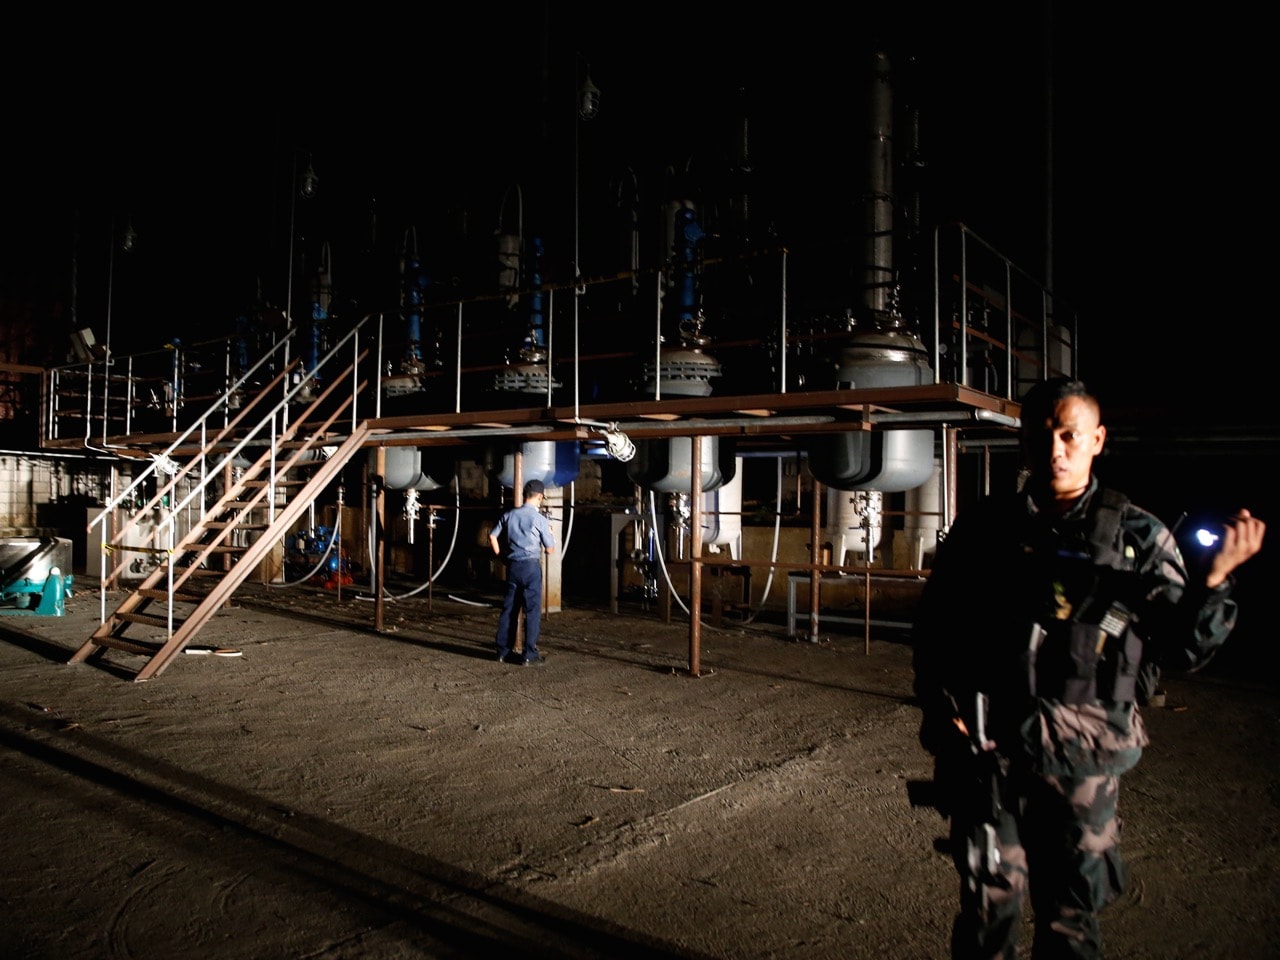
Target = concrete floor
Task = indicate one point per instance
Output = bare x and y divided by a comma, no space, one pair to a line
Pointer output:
336,792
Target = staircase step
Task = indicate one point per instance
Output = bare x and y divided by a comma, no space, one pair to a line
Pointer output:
128,646
149,619
192,560
185,596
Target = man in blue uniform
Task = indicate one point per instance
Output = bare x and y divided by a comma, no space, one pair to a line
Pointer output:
1044,623
528,533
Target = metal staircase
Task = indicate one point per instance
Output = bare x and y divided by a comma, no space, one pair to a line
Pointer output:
242,509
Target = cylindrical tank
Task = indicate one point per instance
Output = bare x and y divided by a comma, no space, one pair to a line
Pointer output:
882,358
556,464
666,466
722,515
405,470
885,460
923,508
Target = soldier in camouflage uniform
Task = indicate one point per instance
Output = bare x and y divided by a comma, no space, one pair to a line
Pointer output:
1043,624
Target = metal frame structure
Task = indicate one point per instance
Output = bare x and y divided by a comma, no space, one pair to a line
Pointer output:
773,418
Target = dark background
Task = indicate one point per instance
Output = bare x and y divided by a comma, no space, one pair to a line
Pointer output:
425,121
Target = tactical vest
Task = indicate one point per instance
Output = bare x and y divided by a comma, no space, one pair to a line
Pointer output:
1084,648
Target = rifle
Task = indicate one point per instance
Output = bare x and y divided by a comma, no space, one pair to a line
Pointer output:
967,786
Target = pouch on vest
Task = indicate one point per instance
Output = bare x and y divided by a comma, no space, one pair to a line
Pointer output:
1080,663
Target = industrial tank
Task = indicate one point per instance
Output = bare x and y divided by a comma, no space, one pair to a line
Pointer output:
406,469
666,466
887,460
556,464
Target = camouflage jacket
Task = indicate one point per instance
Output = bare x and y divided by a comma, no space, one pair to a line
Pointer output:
1012,608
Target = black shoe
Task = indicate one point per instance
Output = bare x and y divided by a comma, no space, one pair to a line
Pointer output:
534,661
502,657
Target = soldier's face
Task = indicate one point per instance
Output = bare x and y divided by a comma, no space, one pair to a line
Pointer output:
1062,448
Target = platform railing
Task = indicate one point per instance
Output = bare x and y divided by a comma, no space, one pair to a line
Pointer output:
985,323
996,327
180,479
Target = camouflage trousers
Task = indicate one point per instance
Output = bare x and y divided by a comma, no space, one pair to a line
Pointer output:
1054,844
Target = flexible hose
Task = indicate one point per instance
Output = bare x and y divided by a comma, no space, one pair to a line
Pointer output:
773,557
568,530
453,541
777,528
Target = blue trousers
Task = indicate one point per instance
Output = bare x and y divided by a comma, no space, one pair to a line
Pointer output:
524,587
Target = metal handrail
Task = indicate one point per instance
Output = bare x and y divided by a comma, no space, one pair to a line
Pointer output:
279,411
165,530
1049,311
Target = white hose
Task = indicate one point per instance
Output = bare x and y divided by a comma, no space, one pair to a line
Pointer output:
773,557
470,603
453,540
777,527
568,525
657,546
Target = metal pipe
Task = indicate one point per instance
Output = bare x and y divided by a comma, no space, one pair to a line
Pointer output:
951,458
782,364
457,399
815,547
380,500
551,334
657,339
962,373
424,435
671,426
377,383
937,310
695,558
1008,332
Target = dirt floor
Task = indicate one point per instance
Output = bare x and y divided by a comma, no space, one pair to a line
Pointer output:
335,792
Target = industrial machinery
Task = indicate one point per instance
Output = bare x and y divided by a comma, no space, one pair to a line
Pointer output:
33,580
